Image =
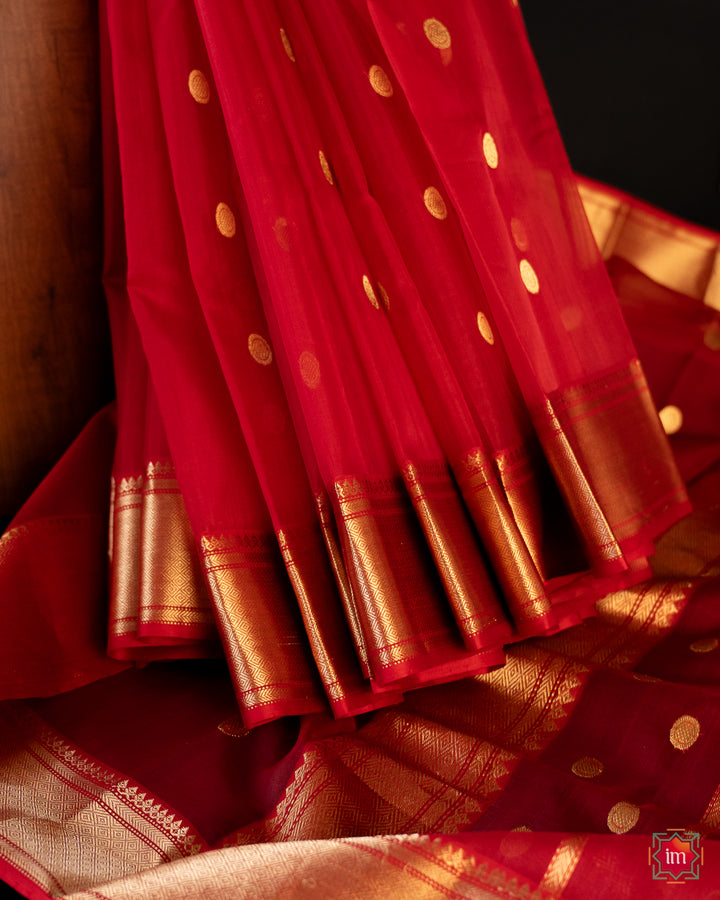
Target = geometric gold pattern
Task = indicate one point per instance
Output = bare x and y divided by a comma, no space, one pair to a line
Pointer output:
434,203
684,732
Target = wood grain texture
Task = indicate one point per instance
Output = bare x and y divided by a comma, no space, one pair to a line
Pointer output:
55,368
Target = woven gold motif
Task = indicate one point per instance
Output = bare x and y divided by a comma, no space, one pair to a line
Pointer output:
379,81
309,369
437,34
563,864
529,278
198,87
684,732
587,767
287,45
490,150
485,328
259,349
623,817
225,220
369,292
434,203
325,166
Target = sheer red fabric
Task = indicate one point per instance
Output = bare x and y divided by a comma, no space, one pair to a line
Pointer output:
387,381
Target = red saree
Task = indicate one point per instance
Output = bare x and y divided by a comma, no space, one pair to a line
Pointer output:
378,417
373,385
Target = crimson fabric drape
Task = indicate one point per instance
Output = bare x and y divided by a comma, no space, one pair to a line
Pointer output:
378,413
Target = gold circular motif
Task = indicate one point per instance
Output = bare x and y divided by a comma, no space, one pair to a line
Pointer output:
587,767
384,297
516,843
370,293
434,203
309,368
380,82
623,817
325,166
233,727
571,317
260,349
198,87
490,150
225,220
684,732
671,419
517,229
485,328
287,45
529,278
282,232
704,645
437,34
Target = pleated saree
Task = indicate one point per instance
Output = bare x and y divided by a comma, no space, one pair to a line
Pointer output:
374,390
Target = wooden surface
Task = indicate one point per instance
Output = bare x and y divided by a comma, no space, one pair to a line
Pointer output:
55,368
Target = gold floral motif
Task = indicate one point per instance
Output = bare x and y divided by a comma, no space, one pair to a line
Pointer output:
380,82
437,34
623,817
369,292
684,732
529,278
309,369
490,150
225,220
434,203
260,350
198,87
485,328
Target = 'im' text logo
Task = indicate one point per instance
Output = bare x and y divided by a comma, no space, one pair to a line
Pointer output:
675,855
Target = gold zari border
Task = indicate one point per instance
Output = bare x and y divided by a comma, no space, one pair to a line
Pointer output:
81,823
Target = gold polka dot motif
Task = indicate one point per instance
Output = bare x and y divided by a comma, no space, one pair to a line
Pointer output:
490,150
587,767
517,229
225,220
485,328
325,166
287,45
384,297
198,87
309,369
704,645
260,349
370,293
684,732
671,419
437,34
529,278
623,817
434,203
380,82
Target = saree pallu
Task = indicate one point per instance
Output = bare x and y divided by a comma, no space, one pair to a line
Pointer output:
374,391
552,776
